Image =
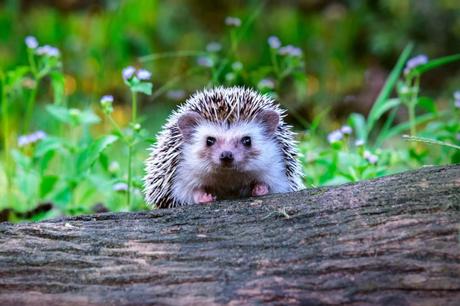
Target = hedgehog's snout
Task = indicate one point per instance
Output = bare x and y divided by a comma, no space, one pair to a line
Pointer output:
226,158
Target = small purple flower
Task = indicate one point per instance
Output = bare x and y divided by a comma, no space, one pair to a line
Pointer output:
334,136
106,99
274,42
48,51
53,52
213,47
233,21
120,187
457,95
24,140
266,83
177,94
144,75
128,72
371,158
205,61
347,130
415,62
40,135
457,98
31,42
290,50
106,103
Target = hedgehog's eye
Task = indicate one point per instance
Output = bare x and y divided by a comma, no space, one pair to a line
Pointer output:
210,141
246,141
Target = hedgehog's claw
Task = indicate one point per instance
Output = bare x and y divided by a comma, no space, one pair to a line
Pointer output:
259,190
201,197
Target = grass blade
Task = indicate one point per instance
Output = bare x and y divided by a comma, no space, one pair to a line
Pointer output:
430,141
435,63
390,83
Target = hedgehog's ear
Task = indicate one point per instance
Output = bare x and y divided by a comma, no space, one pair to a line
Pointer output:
270,120
187,123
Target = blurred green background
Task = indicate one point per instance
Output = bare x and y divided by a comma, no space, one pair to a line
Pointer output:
348,50
349,46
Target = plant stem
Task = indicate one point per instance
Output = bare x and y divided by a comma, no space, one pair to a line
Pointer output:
33,93
131,148
412,104
274,59
5,129
128,194
30,107
412,119
134,109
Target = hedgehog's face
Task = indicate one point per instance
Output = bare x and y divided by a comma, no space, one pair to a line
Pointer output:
221,147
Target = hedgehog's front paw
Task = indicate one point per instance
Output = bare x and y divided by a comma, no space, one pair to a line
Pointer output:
259,189
201,197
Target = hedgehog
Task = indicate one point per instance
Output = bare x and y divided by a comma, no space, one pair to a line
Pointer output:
222,143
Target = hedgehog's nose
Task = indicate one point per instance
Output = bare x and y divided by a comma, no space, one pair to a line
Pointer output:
226,157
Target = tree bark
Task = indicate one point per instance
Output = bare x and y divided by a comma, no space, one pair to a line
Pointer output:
388,241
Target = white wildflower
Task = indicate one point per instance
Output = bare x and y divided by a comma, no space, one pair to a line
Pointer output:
266,83
346,129
106,99
290,50
274,42
120,187
213,47
31,42
334,136
128,72
371,158
144,75
48,51
205,61
233,21
24,140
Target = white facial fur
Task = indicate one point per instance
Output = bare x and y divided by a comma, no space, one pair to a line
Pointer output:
201,167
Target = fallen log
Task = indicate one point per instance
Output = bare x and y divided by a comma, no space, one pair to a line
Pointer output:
388,241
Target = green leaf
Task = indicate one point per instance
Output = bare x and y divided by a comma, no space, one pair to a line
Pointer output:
61,113
47,184
435,63
72,116
89,155
358,122
400,128
144,87
387,89
63,197
104,161
44,161
48,144
389,104
89,117
21,159
15,76
58,85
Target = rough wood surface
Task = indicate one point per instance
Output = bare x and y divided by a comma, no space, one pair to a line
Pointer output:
389,241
